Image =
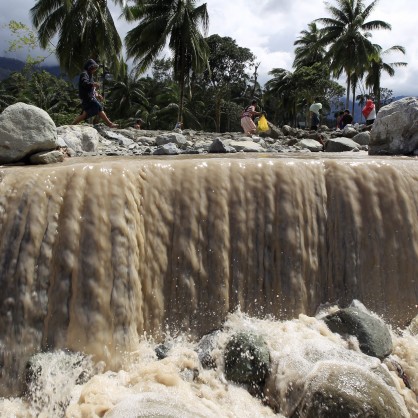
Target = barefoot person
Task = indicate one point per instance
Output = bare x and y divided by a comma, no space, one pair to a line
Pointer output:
88,95
247,122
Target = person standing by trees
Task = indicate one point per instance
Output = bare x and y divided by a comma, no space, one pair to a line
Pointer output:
346,119
247,122
369,111
315,109
88,95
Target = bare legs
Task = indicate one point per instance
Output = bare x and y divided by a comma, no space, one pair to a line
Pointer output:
79,118
102,115
106,120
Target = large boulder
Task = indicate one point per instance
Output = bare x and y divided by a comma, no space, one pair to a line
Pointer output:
79,138
395,130
372,333
338,390
275,132
25,130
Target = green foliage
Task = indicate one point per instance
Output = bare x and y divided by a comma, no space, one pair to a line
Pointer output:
206,81
227,77
290,93
347,32
61,119
24,37
386,96
41,89
176,22
85,30
126,97
310,47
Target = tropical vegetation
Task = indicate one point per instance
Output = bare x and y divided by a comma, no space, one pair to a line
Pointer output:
178,73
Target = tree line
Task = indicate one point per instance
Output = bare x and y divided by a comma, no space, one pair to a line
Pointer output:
207,80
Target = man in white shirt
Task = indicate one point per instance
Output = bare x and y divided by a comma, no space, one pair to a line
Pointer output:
314,109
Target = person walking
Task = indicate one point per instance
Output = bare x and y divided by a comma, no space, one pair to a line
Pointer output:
89,96
315,109
369,111
247,122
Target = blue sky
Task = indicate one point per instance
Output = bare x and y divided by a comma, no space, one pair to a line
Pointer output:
269,28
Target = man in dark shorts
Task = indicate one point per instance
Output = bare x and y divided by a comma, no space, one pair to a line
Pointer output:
88,95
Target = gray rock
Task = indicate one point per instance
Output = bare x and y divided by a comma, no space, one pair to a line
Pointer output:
413,326
25,130
372,333
349,131
220,146
362,138
311,145
126,142
47,157
246,146
288,130
171,138
167,149
395,130
205,347
79,138
341,145
275,132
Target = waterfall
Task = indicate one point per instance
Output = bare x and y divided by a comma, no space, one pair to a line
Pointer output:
94,253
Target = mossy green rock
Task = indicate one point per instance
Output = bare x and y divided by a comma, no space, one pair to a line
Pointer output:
247,359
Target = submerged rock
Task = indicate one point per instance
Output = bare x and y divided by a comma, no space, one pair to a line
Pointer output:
205,347
335,390
247,359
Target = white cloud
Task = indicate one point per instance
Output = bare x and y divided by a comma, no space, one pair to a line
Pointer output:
270,27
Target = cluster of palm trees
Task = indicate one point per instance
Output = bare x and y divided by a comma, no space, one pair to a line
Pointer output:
85,28
206,79
341,43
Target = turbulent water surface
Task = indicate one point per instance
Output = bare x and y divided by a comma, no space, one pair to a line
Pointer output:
108,257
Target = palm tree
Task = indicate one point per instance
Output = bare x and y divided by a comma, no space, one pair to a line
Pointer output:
85,29
126,97
310,48
175,21
347,32
361,99
284,86
377,66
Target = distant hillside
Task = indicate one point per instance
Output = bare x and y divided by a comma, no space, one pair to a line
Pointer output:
9,65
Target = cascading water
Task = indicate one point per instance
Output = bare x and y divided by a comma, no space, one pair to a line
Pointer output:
104,257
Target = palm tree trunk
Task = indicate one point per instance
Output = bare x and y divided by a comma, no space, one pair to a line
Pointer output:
354,101
181,85
347,100
377,98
